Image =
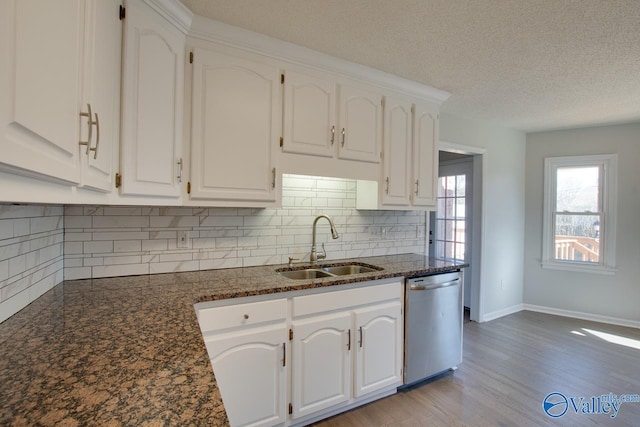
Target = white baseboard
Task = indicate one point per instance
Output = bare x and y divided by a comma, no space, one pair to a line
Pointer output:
582,315
501,313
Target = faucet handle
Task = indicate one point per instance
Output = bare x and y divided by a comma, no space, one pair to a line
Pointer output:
291,259
323,255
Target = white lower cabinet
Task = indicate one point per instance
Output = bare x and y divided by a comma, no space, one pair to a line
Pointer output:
321,363
250,372
247,345
292,361
378,361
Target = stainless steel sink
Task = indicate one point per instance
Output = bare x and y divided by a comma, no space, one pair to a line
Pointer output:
307,273
345,270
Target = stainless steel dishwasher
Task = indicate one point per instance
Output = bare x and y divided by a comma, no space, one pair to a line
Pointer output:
433,325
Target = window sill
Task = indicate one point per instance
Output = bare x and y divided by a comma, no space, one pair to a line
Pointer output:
579,268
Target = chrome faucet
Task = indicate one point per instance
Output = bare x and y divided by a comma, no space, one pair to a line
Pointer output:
314,257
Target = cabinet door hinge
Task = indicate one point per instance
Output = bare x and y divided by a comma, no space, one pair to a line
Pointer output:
282,78
290,408
281,141
122,12
189,187
118,180
190,57
290,334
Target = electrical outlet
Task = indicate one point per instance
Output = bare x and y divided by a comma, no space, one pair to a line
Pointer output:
183,239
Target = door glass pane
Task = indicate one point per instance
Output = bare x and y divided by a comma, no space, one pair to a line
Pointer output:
577,189
461,181
448,231
451,214
460,208
577,238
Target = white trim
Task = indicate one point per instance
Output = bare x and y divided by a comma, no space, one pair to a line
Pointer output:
582,315
578,267
477,270
173,11
215,31
460,148
609,165
501,313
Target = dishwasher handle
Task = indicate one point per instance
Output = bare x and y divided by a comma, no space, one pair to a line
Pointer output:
415,287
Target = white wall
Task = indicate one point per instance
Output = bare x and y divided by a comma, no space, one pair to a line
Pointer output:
503,210
617,296
30,254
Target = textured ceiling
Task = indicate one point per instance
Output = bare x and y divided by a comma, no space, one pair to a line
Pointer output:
525,64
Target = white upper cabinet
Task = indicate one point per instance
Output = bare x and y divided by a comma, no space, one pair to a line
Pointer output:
58,58
325,118
397,152
103,41
425,154
360,129
309,115
235,127
152,108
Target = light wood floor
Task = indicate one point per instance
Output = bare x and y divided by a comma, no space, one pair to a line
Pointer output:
509,366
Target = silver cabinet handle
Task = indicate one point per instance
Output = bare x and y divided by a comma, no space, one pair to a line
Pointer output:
90,128
179,170
333,134
417,186
343,132
387,189
95,149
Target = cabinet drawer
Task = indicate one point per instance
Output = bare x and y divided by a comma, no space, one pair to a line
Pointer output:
338,300
231,316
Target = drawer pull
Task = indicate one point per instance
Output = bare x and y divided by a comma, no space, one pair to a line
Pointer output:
246,316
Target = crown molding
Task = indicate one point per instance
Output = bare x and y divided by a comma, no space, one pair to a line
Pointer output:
173,11
215,31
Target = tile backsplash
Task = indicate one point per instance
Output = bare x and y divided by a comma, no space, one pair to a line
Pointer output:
31,258
103,241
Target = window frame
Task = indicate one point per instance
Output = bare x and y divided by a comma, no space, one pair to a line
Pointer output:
608,164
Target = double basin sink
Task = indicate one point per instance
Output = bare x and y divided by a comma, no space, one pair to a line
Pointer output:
319,272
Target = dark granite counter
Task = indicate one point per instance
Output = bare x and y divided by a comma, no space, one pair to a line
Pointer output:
128,350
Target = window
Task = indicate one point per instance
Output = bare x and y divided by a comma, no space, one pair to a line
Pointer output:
580,213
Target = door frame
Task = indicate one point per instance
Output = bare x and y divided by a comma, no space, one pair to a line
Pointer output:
477,240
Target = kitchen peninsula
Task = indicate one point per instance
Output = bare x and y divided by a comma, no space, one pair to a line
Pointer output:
128,350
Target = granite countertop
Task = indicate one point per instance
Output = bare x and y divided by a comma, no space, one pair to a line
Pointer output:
128,350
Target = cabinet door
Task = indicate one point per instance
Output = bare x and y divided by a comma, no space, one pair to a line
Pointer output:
309,115
425,155
321,363
250,372
360,130
152,109
397,152
102,91
236,112
41,77
378,348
